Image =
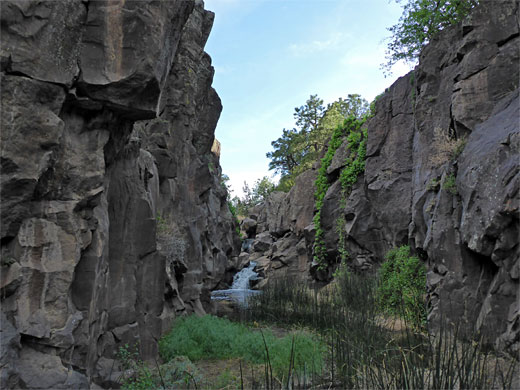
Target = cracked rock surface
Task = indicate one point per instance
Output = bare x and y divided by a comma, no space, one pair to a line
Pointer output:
114,221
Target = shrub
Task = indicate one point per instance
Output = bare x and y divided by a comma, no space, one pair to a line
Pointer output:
447,148
163,227
433,185
402,286
449,184
141,378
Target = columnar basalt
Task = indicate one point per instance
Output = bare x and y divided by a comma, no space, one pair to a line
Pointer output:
459,210
114,220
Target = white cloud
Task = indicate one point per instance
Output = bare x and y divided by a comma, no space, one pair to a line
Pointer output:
312,47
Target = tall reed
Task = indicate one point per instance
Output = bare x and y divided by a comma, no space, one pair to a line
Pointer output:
364,351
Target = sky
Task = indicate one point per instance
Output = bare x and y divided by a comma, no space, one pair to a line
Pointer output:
271,55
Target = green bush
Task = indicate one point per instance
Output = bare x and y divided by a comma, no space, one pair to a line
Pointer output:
449,184
142,377
210,337
402,286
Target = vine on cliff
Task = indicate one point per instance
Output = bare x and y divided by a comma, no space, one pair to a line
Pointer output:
354,165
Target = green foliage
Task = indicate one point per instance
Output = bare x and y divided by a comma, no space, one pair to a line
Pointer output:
287,154
367,353
142,377
402,286
449,184
262,188
342,245
433,185
210,337
341,271
253,196
351,129
372,107
298,149
232,209
460,144
420,22
162,226
178,373
227,380
285,183
308,116
447,146
355,164
224,182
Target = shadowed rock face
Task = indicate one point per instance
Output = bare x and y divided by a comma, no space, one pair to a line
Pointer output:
466,85
282,232
112,223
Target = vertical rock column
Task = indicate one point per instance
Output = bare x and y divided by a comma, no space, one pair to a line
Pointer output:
75,76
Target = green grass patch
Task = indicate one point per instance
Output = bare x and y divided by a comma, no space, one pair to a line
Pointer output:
210,337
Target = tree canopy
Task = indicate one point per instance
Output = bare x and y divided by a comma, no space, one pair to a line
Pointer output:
420,22
297,149
252,196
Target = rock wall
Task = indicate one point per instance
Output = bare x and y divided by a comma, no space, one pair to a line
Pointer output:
464,93
465,86
113,217
280,232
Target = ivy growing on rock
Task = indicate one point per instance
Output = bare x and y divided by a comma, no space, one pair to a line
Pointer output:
352,131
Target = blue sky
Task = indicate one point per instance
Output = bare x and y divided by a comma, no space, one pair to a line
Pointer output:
270,55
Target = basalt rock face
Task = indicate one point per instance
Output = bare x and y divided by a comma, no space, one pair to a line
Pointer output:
281,243
114,220
458,212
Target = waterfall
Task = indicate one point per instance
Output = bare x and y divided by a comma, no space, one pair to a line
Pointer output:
239,290
242,278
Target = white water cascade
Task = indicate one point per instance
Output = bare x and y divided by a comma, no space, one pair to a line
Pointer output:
239,290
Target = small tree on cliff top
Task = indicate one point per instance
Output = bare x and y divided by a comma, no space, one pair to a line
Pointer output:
420,21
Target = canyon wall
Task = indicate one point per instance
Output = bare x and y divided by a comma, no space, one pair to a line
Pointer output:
457,209
458,212
113,217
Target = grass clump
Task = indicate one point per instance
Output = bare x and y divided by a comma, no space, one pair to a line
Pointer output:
447,147
210,337
402,286
449,184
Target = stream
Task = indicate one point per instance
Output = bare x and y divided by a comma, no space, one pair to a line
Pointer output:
239,291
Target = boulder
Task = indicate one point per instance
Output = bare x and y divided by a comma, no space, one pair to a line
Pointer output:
262,242
248,225
42,371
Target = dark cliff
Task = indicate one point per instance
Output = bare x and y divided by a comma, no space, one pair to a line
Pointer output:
465,87
458,211
114,220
